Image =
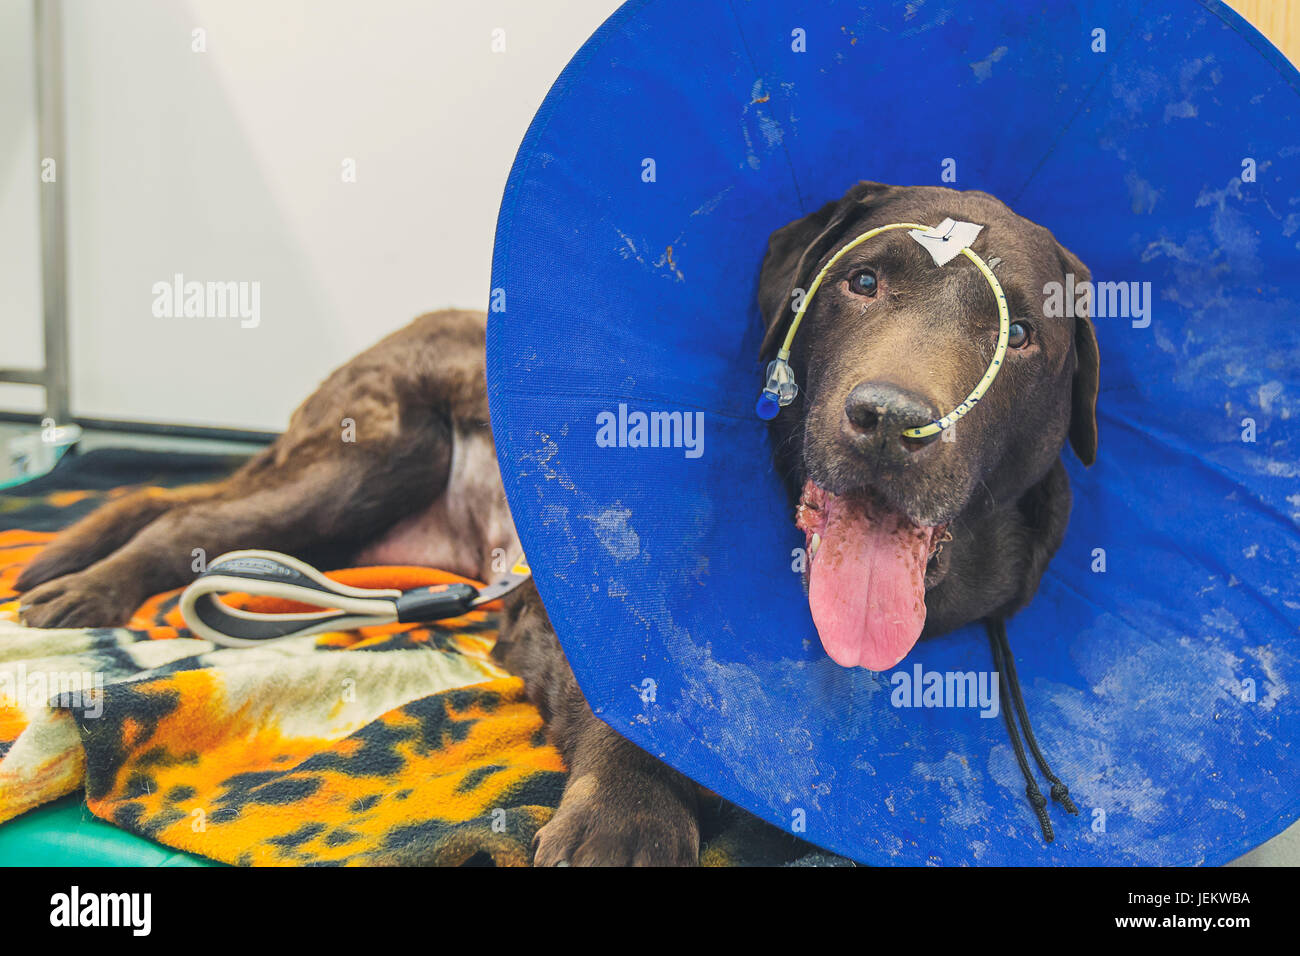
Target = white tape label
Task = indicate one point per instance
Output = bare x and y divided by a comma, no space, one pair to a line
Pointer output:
946,240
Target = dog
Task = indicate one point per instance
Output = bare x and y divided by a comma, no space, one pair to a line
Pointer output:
908,537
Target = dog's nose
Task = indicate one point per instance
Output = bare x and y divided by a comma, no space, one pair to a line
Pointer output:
882,409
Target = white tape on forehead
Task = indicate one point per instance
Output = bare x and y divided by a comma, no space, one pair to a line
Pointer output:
946,240
952,238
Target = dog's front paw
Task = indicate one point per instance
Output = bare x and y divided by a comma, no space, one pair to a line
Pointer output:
636,820
76,600
54,561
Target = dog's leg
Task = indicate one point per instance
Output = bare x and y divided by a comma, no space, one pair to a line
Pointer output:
621,805
371,446
346,494
105,530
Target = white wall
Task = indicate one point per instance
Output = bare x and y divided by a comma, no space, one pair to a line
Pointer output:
20,278
226,165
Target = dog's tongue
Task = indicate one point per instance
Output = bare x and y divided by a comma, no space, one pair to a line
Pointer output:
867,582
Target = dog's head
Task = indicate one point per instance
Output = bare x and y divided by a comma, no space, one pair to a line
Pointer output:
892,341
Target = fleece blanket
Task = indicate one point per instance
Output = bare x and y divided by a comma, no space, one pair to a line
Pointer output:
398,745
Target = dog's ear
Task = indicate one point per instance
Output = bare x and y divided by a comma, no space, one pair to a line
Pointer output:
1083,404
793,251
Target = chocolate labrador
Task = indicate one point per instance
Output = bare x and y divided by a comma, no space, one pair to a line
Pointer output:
908,537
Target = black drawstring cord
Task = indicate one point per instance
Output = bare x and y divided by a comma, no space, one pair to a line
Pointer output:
1006,665
1060,792
1036,798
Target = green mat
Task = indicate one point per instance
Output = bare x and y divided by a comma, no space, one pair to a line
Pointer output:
64,833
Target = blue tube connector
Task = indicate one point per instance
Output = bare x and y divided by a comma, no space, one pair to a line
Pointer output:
779,391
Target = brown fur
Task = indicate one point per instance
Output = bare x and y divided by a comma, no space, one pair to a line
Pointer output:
411,488
925,339
310,493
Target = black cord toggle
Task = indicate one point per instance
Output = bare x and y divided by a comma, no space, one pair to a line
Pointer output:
1006,665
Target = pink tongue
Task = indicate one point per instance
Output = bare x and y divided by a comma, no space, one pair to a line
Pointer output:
867,584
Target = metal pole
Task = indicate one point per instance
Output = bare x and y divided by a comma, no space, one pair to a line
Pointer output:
54,277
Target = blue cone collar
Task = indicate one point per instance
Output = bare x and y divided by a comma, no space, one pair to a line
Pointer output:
1159,657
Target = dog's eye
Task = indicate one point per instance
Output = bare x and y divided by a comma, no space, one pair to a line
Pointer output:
864,282
1020,335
